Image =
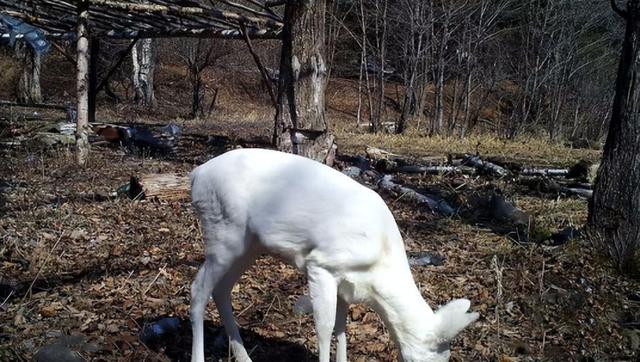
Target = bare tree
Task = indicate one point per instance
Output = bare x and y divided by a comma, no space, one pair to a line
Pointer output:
143,59
198,55
374,69
475,65
28,90
415,17
614,209
300,124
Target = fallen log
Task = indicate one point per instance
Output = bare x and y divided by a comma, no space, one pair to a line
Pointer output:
582,170
587,194
385,182
485,166
434,170
162,187
549,172
386,161
519,221
503,210
555,186
378,153
439,206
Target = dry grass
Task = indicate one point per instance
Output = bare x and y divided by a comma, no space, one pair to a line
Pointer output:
527,151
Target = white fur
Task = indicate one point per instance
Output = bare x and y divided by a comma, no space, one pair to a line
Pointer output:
336,231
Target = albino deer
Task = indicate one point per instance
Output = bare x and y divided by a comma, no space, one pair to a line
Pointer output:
338,232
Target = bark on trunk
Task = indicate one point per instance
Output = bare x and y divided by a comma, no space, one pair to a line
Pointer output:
300,126
143,59
29,84
614,210
82,125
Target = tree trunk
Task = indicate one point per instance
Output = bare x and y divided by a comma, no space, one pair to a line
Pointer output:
438,111
300,125
29,84
614,210
143,59
82,64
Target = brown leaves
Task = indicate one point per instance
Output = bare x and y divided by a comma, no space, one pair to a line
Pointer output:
121,264
50,310
357,312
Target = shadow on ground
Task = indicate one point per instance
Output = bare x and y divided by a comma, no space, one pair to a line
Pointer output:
176,345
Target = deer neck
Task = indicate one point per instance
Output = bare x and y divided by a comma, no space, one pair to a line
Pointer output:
405,313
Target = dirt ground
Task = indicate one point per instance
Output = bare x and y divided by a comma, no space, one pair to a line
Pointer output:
84,271
77,262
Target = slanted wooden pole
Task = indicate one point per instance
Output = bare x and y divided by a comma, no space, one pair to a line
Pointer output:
93,77
268,83
123,56
82,36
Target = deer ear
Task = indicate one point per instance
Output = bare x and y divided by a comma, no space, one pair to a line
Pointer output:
453,318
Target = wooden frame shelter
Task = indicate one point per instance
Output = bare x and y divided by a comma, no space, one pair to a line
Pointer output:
87,21
130,19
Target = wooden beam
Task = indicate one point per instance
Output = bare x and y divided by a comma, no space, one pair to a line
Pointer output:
111,18
82,34
205,33
184,10
33,105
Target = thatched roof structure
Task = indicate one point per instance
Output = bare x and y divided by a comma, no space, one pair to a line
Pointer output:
129,19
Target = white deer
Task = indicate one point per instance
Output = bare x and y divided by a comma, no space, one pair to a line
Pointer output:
339,233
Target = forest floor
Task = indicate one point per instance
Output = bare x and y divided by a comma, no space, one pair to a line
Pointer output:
89,271
76,262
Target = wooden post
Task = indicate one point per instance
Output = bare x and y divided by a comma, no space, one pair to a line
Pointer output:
82,36
93,77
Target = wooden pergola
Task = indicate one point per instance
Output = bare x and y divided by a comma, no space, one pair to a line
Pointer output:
300,125
87,21
132,19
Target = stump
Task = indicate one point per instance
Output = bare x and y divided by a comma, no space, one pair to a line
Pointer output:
162,187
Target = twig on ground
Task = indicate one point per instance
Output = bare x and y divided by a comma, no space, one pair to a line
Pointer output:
154,280
46,260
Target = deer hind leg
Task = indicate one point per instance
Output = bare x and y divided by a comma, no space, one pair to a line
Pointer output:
215,278
201,290
222,297
323,291
340,330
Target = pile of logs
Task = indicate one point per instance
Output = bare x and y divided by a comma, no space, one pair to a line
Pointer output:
573,181
376,170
